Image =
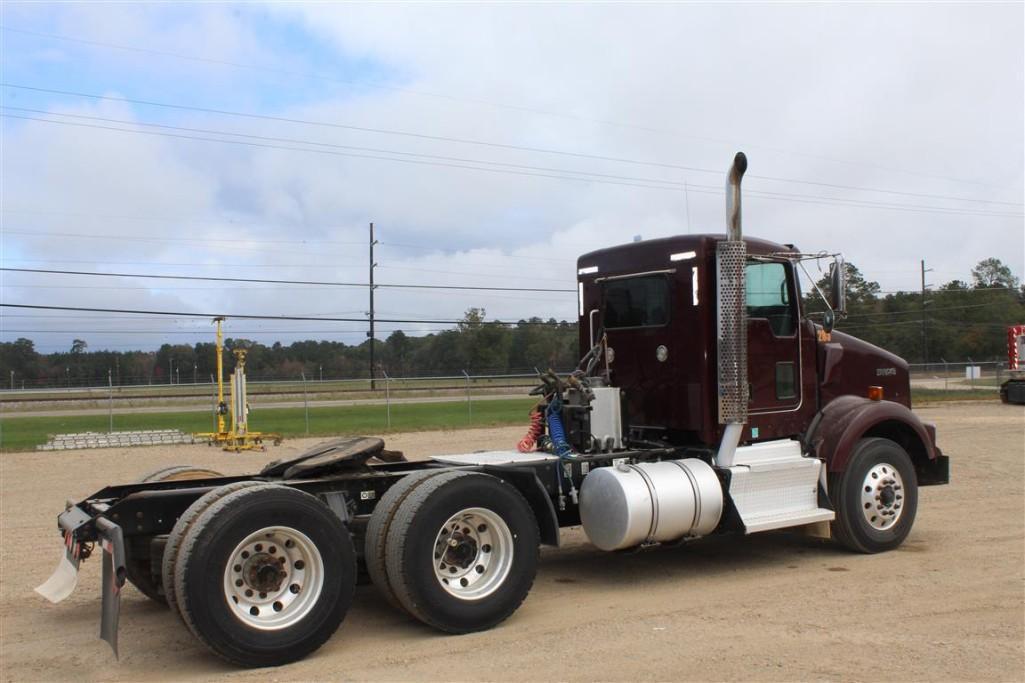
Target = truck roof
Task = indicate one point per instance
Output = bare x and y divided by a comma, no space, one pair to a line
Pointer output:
648,250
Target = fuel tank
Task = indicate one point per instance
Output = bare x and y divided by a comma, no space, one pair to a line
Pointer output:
626,505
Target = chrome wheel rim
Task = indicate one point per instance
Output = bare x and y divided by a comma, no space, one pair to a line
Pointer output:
274,578
473,554
882,497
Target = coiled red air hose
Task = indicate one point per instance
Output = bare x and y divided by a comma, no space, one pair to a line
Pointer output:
536,429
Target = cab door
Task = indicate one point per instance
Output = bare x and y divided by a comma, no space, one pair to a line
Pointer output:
774,347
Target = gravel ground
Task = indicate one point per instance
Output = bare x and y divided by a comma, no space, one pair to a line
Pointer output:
949,604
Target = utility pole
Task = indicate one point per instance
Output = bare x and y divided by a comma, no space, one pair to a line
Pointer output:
925,335
371,333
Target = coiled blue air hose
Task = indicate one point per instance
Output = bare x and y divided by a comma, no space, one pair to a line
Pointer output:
555,430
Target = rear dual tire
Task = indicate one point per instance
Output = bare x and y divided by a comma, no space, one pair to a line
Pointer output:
460,549
265,575
142,571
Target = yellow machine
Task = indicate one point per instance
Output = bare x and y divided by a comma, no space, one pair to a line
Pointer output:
238,438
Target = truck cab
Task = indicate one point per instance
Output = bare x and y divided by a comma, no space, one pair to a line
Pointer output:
654,304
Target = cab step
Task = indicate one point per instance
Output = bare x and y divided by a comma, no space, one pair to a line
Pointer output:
773,486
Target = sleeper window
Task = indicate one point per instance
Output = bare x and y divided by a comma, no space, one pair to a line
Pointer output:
636,302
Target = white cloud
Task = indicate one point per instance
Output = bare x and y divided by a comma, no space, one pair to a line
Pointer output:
861,95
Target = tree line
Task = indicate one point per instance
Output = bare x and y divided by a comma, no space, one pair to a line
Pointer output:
475,345
955,321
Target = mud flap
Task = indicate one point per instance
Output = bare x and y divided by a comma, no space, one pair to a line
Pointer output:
114,575
62,582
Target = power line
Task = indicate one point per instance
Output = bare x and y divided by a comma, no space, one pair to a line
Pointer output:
528,148
281,282
233,241
955,323
317,143
302,266
577,176
417,162
243,316
234,333
500,167
362,129
242,289
931,310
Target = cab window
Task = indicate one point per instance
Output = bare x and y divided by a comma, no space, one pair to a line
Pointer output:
768,296
636,302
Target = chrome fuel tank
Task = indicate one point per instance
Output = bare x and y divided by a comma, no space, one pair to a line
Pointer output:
626,505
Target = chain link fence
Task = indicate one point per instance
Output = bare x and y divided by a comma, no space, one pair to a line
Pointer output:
960,375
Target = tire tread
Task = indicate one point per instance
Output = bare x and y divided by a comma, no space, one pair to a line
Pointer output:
374,553
181,528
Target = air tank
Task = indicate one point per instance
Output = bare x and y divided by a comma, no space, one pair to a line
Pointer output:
626,505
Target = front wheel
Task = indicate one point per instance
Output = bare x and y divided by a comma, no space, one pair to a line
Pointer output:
461,551
265,575
875,497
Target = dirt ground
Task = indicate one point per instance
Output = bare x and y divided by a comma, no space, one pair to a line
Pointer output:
948,605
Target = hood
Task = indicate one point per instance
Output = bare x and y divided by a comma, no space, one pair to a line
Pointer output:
850,366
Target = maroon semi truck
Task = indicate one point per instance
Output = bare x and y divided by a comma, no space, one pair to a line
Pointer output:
706,402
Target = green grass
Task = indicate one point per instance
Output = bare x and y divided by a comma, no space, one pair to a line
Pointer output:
25,433
920,396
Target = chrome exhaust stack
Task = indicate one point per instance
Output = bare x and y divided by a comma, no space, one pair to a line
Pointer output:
731,327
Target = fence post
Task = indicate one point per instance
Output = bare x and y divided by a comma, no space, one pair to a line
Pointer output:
110,400
306,404
387,395
469,402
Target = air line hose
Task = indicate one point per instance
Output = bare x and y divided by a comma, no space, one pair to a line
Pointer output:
536,429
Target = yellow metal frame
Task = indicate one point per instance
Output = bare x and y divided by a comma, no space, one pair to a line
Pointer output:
238,437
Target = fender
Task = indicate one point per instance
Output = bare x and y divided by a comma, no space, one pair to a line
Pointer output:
846,419
537,497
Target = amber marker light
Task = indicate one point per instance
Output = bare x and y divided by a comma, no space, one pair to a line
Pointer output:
875,393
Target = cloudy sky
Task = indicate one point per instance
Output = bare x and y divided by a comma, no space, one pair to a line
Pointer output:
490,144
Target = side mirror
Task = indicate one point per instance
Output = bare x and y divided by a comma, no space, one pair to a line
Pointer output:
828,321
838,287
